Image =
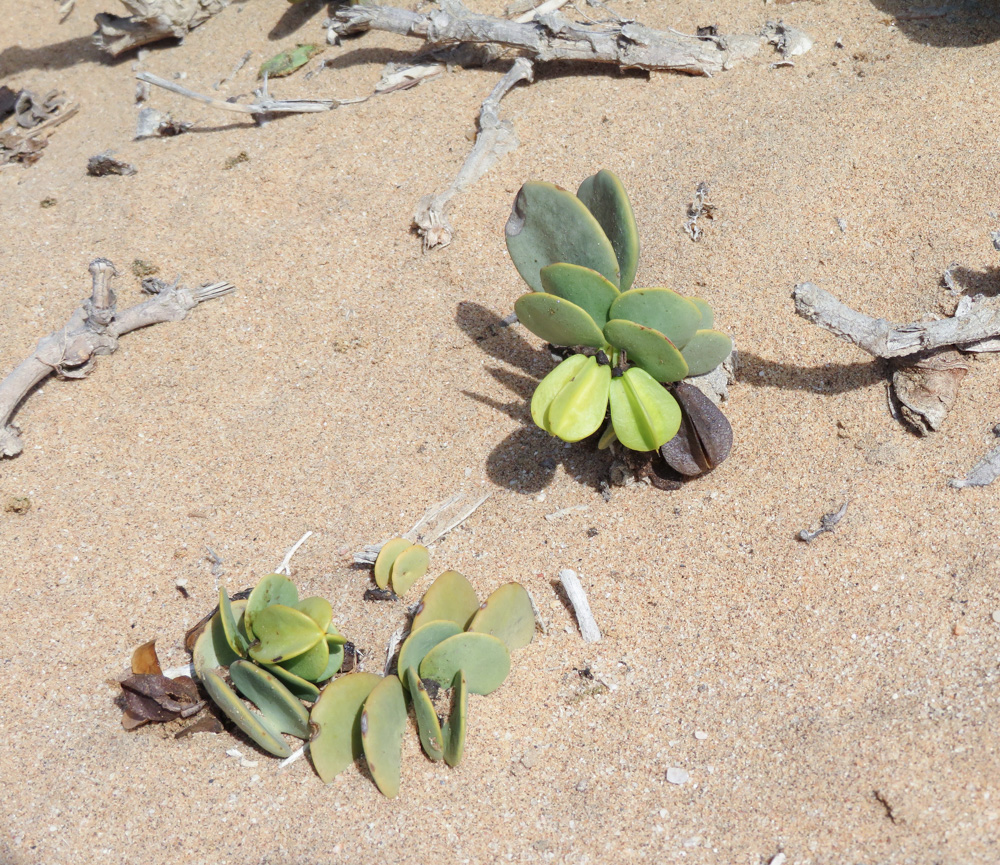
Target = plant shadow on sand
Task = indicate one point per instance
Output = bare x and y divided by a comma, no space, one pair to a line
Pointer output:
527,459
945,23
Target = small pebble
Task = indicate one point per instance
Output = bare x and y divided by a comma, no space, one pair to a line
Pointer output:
959,629
677,776
779,859
581,786
700,734
996,616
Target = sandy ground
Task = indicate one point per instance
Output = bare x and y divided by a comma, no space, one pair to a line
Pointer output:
848,690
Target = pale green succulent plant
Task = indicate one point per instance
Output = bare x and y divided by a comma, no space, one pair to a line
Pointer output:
579,254
277,651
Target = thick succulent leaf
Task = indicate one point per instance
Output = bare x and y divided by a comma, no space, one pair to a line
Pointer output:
428,725
608,437
507,614
383,722
707,315
579,408
311,664
549,224
644,414
272,589
484,659
661,309
296,684
237,640
605,197
336,723
647,348
705,437
421,641
277,704
386,557
706,350
212,649
580,285
558,321
455,728
549,387
317,609
334,662
410,566
282,633
255,726
450,597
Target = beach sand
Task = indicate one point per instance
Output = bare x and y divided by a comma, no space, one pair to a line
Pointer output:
836,702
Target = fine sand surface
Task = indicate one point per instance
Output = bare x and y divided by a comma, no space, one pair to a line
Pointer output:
848,690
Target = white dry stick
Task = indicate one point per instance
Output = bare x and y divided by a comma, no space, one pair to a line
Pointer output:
494,138
982,474
182,670
283,567
390,650
297,754
581,606
369,553
263,104
975,326
562,512
92,330
552,37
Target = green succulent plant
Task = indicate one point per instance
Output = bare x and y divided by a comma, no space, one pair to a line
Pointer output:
579,254
276,651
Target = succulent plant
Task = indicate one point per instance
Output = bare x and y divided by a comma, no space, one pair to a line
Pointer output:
579,254
275,651
455,643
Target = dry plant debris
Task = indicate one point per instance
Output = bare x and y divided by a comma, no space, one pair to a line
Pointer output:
925,356
149,696
32,121
92,330
104,164
151,21
827,523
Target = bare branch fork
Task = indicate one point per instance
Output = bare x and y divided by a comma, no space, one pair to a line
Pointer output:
92,330
926,357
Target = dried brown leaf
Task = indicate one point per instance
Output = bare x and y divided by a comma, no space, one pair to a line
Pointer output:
145,662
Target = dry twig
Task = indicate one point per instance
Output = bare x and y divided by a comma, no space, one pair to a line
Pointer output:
150,21
581,606
263,104
494,138
92,330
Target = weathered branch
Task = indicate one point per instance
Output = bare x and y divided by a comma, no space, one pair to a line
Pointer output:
628,45
494,138
93,329
150,21
975,326
263,104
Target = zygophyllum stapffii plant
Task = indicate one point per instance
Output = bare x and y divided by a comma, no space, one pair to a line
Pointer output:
281,653
633,347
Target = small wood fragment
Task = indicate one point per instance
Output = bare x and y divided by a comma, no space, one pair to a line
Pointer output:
826,524
581,606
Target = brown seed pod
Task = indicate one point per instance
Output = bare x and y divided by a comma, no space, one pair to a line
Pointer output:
705,437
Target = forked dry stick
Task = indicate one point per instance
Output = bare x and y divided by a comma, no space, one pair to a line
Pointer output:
92,330
926,357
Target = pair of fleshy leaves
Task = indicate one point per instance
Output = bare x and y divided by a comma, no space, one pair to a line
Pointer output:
454,641
402,563
572,401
